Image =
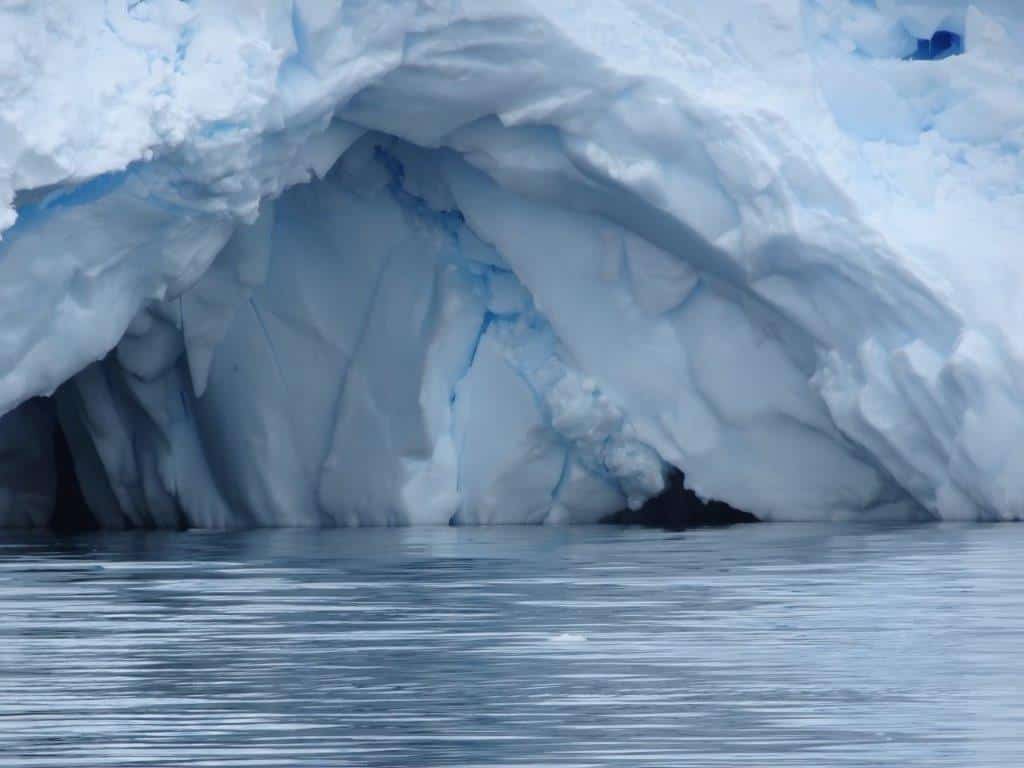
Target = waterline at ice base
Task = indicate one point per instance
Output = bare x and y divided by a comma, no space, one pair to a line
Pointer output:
478,262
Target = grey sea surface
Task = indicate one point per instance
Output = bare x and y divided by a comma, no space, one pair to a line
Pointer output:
766,645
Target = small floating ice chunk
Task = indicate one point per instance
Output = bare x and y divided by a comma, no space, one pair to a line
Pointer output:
568,637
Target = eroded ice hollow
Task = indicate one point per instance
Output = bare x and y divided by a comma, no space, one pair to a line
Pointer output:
406,263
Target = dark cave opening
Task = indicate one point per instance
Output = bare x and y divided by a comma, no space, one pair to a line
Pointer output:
677,508
71,513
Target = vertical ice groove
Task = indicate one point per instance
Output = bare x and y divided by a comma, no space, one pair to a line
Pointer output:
278,370
453,396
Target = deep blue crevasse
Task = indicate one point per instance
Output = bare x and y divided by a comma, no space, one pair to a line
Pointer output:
942,44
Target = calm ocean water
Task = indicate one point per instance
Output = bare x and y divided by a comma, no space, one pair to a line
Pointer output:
769,645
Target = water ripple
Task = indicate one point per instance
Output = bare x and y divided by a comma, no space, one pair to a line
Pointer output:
755,646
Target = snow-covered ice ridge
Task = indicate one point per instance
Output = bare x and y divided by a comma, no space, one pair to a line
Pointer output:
494,261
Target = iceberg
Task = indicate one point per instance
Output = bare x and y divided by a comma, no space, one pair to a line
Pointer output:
318,263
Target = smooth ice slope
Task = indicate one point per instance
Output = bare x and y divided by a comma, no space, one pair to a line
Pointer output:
501,261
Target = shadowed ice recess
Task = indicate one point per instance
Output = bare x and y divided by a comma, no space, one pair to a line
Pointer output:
392,263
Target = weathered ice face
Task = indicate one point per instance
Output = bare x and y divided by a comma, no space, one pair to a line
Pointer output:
480,262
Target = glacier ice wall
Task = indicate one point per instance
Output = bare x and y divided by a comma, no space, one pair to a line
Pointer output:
491,261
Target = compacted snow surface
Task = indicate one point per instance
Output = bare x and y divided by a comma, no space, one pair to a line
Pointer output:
507,261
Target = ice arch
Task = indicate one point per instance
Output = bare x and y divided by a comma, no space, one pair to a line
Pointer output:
409,262
406,342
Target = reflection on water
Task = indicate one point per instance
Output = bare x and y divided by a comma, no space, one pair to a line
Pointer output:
764,645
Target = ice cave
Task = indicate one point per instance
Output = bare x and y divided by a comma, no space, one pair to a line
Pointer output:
468,262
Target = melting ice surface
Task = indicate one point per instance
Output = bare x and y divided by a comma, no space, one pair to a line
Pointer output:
495,261
795,646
